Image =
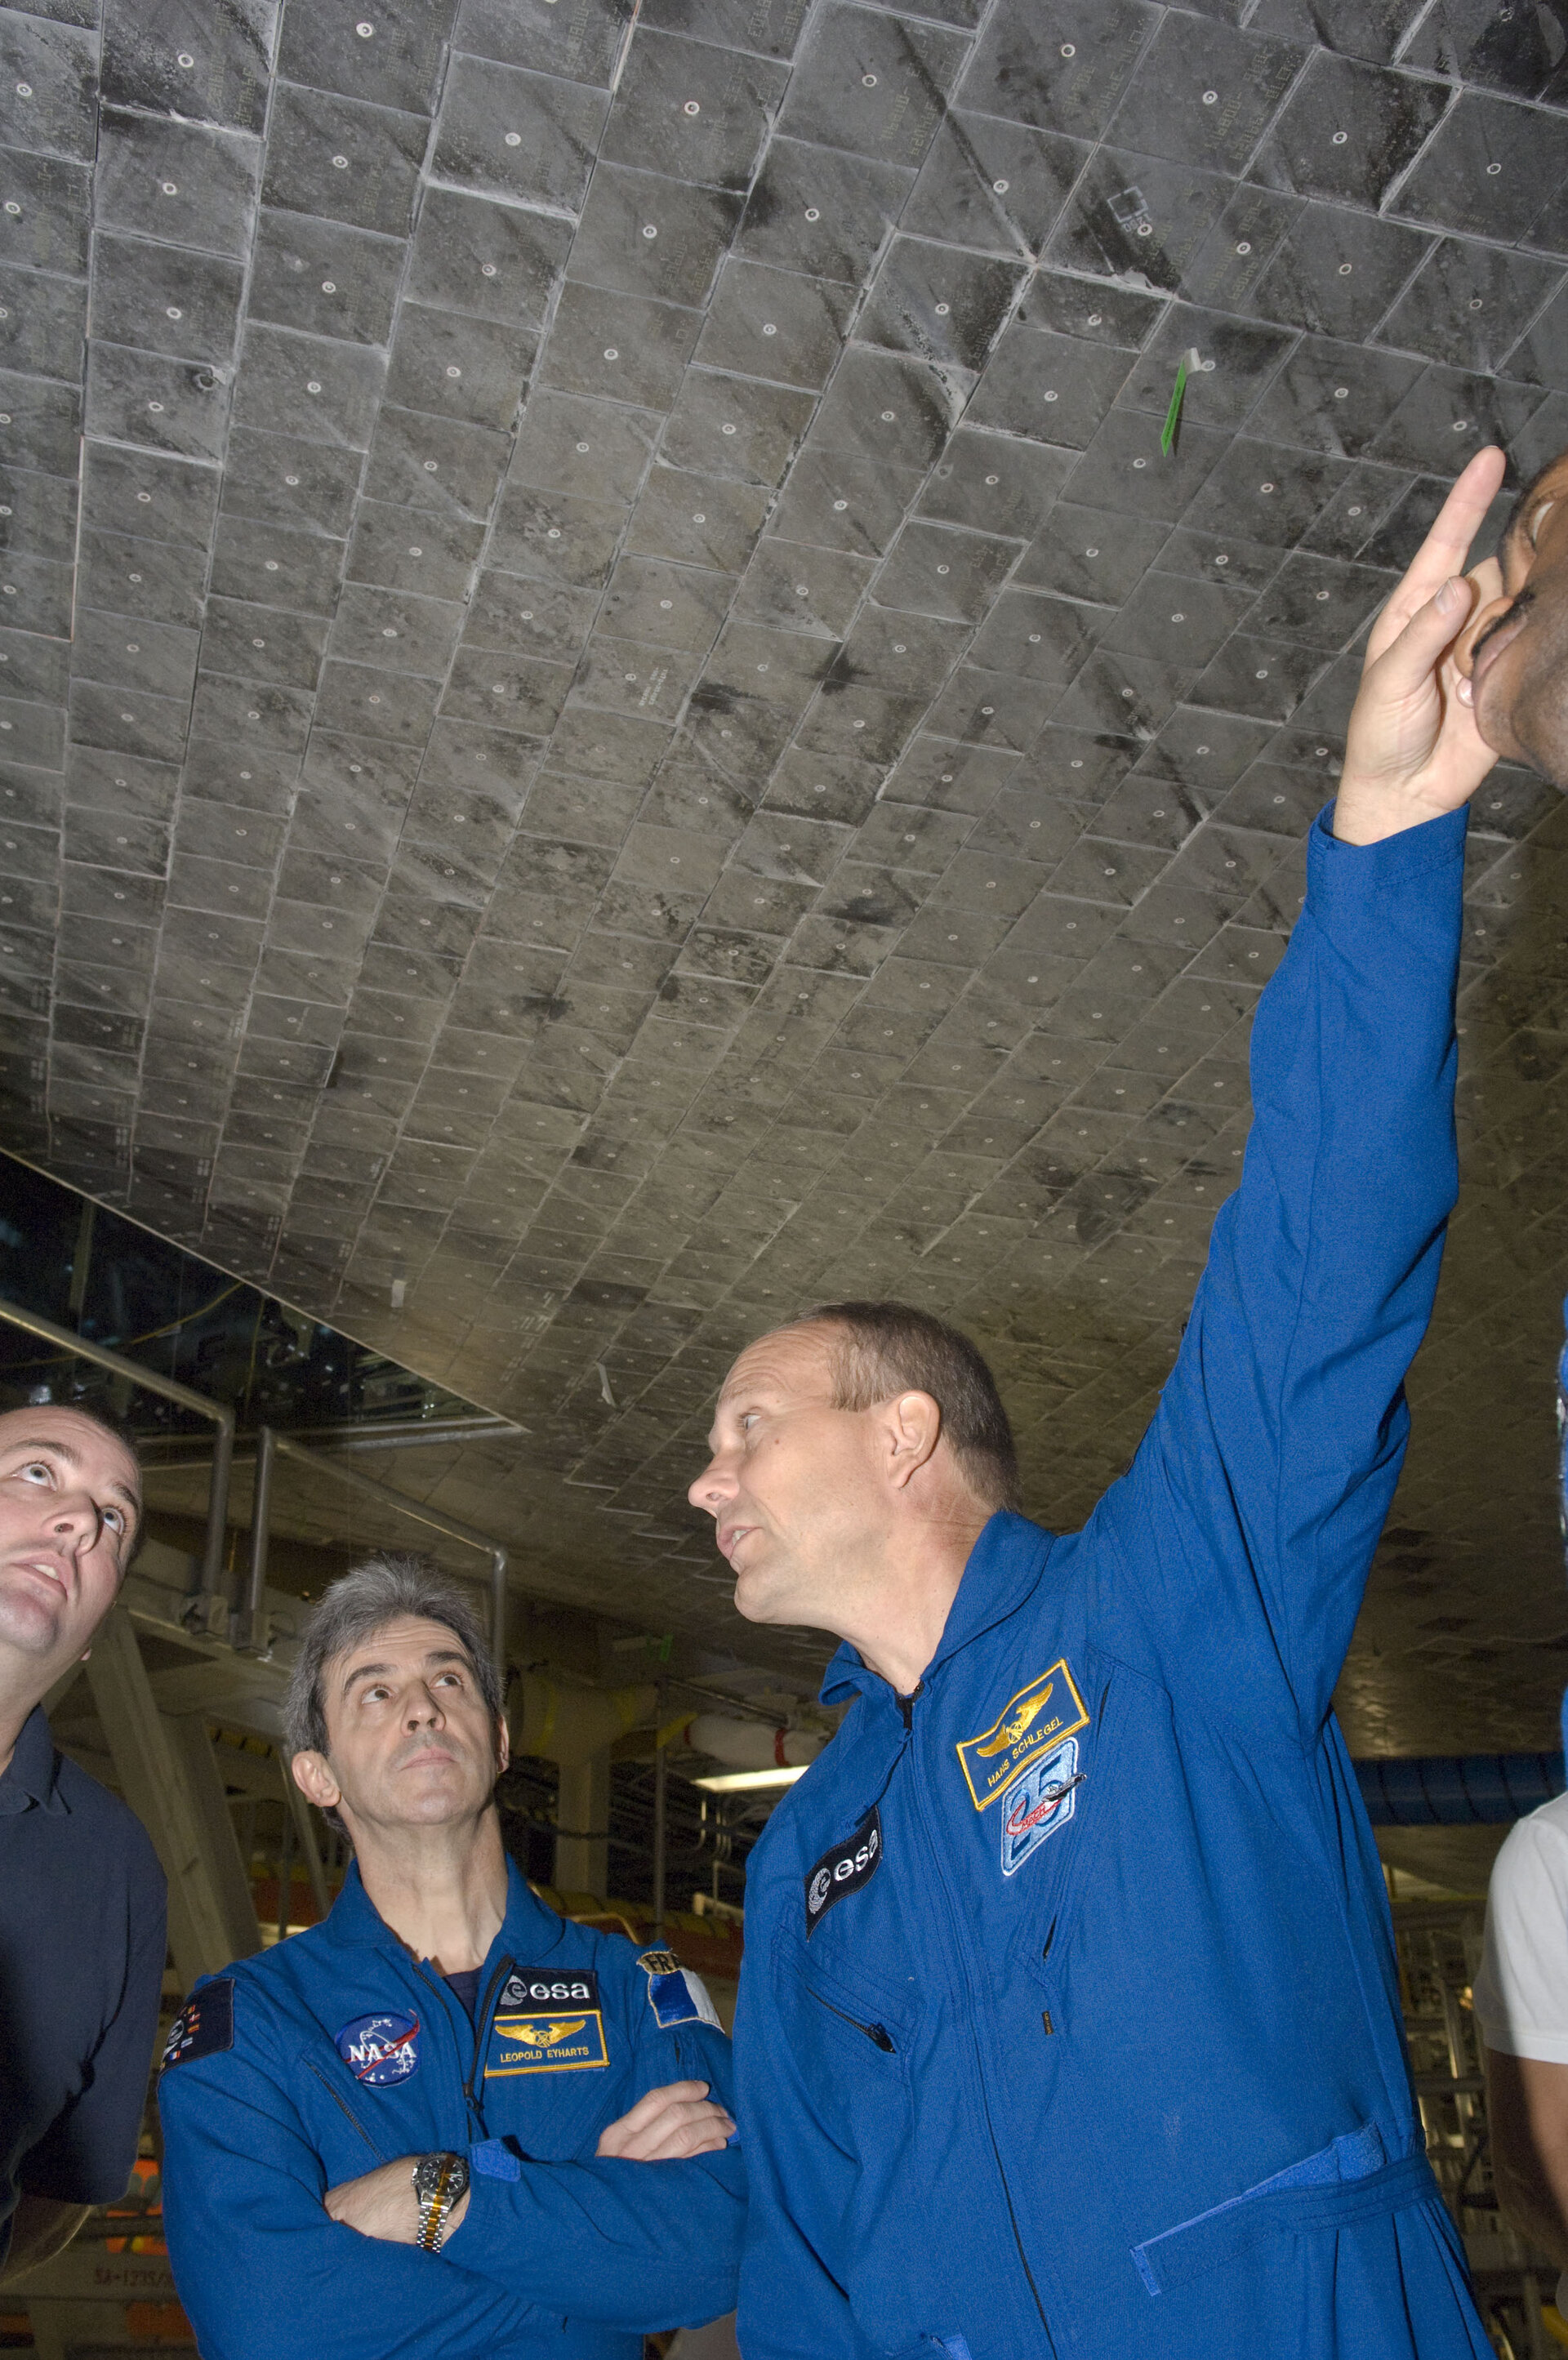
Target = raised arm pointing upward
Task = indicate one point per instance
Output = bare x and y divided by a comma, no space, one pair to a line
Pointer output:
1069,2023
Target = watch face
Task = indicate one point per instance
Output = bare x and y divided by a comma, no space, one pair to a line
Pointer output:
428,2176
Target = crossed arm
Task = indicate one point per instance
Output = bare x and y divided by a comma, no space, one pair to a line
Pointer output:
665,2125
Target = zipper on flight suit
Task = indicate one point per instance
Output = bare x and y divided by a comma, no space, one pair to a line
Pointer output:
342,2103
907,1708
479,2029
481,2034
877,2034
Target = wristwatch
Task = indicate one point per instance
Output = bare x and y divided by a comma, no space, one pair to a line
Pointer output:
441,2181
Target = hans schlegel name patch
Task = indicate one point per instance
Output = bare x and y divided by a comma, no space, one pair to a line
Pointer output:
843,1870
204,2025
547,2022
1036,1720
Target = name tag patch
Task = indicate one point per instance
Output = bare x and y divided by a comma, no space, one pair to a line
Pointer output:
1029,1724
547,2021
675,1996
843,1870
1041,1802
204,2025
381,2050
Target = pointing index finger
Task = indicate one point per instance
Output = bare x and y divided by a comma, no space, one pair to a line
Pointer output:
1458,521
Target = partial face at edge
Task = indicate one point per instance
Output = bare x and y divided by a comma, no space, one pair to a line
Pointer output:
410,1739
796,1487
70,1509
1514,651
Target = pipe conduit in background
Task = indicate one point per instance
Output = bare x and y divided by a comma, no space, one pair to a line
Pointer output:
1449,1790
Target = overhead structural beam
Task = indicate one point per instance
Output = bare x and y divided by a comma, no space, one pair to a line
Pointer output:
154,1767
367,1434
226,1867
271,1445
148,1380
368,1437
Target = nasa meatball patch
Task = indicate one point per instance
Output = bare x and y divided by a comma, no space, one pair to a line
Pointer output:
381,2050
844,1870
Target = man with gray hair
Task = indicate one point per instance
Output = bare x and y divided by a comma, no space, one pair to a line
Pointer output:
426,2125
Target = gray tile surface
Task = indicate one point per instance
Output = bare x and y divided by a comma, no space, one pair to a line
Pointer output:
622,725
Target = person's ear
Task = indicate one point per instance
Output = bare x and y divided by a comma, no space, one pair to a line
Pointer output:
503,1745
312,1773
914,1428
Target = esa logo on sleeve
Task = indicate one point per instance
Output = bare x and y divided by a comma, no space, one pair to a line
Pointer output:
843,1870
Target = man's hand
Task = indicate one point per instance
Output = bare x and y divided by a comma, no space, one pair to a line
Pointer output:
678,2120
382,2204
1413,750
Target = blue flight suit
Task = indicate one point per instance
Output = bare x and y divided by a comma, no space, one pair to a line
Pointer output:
1069,2021
337,2051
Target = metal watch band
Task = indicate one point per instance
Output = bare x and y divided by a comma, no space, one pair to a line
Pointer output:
433,2208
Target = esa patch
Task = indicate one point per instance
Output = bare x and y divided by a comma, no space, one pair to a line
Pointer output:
381,2050
550,1987
1041,1802
843,1870
1028,1725
549,2020
675,1996
204,2025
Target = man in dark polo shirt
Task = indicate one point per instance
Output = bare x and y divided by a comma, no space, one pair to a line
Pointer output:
82,1894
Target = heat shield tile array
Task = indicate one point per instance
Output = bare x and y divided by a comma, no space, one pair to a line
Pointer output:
612,719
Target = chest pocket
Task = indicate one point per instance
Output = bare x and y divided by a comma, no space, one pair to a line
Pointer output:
856,2027
338,2120
1048,1828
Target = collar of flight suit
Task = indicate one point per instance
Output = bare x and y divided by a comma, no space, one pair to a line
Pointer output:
528,1930
1003,1568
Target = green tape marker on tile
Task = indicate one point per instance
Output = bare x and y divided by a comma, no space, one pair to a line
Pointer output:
1187,366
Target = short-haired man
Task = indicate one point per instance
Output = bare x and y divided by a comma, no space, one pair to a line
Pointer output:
1069,2022
1513,653
82,1896
445,2121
